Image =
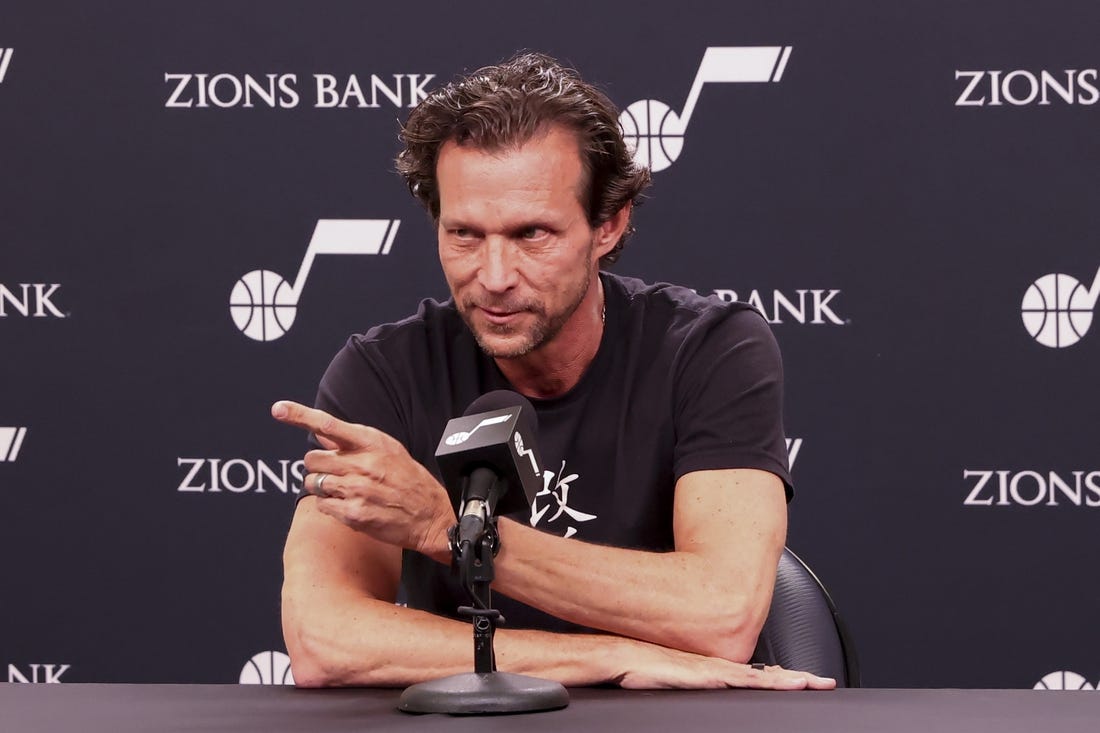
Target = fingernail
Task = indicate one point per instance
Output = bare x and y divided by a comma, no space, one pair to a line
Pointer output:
279,409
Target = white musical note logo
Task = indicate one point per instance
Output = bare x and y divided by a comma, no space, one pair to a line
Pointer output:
656,133
461,436
264,305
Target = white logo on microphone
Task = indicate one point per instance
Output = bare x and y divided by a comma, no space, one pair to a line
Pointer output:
264,305
461,436
529,453
656,133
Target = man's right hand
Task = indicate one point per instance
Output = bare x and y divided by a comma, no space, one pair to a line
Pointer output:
371,483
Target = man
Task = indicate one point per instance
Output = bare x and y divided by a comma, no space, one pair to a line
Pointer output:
655,541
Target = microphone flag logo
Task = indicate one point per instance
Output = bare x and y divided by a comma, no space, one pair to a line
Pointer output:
461,436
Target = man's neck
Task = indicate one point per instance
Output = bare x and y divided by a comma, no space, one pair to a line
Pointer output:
557,367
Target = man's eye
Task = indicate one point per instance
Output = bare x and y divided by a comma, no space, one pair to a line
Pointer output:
532,233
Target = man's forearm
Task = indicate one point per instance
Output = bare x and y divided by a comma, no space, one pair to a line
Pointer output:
675,599
369,642
374,643
710,596
341,628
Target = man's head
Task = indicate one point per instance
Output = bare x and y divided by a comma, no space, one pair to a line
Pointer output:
504,106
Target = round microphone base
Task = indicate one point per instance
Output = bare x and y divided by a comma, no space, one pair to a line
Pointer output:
488,693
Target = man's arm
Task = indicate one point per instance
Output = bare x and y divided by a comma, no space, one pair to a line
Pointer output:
342,628
710,596
340,621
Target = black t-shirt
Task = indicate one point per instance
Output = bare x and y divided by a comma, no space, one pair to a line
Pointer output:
680,383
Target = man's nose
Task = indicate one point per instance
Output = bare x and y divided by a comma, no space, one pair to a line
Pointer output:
497,272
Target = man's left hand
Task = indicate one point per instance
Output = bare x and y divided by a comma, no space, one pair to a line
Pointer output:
367,480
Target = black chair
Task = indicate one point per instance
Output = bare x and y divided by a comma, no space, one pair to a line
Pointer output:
803,630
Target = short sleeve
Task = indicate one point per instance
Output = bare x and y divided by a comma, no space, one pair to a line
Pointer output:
359,387
729,396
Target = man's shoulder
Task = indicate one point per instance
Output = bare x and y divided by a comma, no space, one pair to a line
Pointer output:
433,321
381,377
674,306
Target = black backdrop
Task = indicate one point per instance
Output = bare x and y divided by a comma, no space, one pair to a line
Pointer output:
869,175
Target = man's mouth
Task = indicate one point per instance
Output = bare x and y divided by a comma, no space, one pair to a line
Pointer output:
499,316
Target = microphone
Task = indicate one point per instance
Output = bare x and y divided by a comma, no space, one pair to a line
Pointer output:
490,454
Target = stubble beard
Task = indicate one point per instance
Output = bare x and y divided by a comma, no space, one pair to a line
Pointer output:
542,331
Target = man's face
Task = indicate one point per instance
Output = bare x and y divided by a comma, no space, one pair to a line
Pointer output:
514,241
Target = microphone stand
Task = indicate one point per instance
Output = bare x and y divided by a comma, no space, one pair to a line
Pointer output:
485,690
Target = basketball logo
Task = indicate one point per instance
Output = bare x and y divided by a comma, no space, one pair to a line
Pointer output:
1063,681
267,668
263,305
654,132
1057,309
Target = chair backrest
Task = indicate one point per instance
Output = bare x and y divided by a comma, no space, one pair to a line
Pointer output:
803,630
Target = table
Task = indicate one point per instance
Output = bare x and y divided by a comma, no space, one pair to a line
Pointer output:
91,708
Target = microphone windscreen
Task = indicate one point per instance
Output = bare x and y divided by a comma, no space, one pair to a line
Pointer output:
504,398
499,431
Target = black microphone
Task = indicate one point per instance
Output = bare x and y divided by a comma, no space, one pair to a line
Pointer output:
490,454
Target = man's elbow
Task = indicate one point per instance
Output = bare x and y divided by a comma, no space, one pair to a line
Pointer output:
316,661
307,673
732,645
316,658
310,662
732,632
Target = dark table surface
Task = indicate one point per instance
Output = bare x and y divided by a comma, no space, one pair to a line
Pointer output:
121,708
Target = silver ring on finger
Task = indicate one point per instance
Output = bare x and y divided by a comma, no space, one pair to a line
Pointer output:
318,485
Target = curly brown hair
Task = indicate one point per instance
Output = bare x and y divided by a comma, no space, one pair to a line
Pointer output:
509,104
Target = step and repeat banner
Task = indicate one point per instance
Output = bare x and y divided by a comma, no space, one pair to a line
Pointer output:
198,206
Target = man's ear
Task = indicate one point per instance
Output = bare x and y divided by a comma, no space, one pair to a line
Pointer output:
611,231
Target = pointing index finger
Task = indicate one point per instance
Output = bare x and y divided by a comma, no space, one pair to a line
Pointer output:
320,423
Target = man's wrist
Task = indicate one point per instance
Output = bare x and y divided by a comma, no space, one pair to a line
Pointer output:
435,542
613,654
